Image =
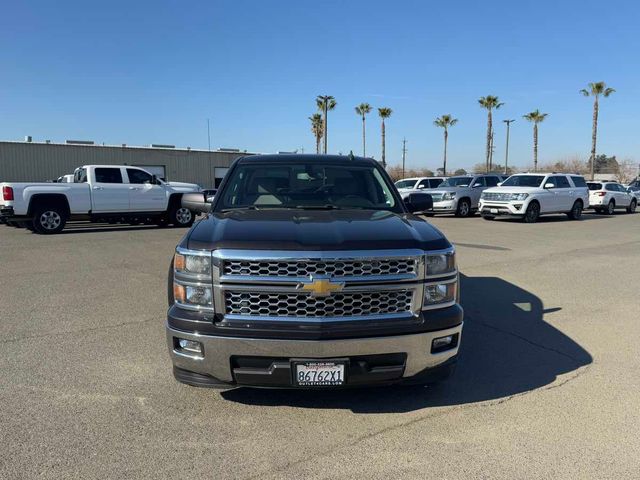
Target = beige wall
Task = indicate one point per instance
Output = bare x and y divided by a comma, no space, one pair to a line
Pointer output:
38,162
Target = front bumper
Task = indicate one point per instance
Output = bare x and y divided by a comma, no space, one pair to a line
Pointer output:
234,361
445,206
502,208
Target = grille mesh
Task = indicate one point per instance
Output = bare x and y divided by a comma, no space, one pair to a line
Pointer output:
304,305
333,268
499,197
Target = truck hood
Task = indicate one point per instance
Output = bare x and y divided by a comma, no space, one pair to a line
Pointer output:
314,230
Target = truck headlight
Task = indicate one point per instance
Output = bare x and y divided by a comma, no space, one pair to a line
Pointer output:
449,195
195,295
519,196
192,282
440,293
195,262
441,263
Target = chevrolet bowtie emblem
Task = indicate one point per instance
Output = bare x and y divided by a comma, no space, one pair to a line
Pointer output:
321,287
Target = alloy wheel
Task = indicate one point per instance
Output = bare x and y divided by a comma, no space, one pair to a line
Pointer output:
50,220
183,215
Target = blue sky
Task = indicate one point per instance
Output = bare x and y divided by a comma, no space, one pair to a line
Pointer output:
153,71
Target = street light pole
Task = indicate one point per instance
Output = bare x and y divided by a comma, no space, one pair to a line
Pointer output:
404,153
506,154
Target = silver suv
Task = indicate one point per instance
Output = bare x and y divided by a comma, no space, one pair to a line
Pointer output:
460,195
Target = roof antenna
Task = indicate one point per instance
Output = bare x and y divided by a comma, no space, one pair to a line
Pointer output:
351,157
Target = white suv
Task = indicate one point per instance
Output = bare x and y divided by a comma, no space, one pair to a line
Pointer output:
605,197
407,186
529,195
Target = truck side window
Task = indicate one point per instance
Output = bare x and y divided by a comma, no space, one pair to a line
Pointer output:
80,176
138,176
108,175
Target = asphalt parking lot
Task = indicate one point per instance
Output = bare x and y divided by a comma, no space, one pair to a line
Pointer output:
548,385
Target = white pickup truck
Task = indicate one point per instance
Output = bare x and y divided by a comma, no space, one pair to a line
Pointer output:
110,193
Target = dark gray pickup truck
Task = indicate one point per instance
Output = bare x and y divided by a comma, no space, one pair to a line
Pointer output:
309,271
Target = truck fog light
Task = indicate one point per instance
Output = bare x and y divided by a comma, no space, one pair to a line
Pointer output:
190,347
441,344
517,206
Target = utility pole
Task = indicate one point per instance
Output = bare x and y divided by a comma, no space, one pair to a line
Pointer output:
506,155
404,154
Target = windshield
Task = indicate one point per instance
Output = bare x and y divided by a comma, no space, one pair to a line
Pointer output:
306,186
456,182
405,183
523,181
594,186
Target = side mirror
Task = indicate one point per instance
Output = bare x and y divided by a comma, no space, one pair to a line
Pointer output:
549,185
196,202
154,180
476,185
418,202
421,186
499,184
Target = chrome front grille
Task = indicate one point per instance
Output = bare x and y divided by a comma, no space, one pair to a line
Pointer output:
326,268
496,197
301,305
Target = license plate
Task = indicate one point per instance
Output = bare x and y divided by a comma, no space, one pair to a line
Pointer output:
494,210
319,374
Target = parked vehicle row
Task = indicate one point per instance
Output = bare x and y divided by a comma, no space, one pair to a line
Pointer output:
526,195
98,193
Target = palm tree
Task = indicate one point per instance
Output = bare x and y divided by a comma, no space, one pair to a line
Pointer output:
384,112
445,121
489,103
317,128
536,117
595,90
363,109
325,103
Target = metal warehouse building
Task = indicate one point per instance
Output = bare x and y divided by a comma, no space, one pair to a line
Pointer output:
39,162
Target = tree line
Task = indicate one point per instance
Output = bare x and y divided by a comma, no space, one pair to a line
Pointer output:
491,103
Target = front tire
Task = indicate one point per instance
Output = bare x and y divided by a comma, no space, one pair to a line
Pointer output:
632,207
181,217
532,213
49,220
464,208
576,211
